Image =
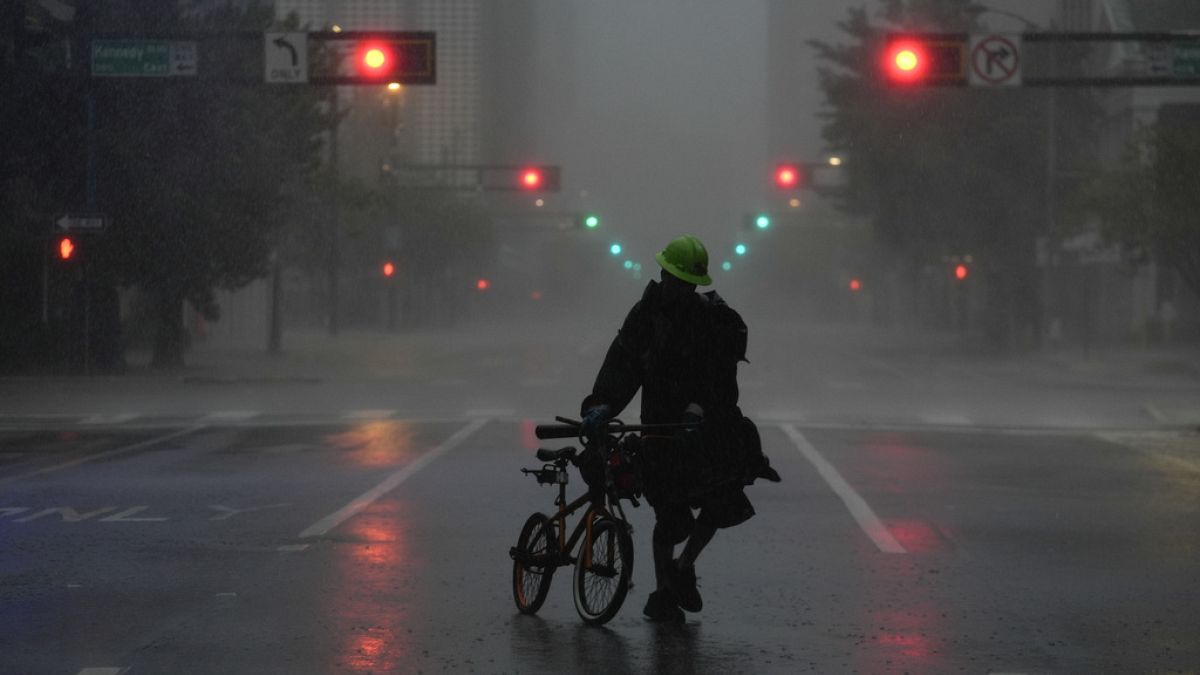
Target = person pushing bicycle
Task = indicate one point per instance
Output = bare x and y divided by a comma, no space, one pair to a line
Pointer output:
682,349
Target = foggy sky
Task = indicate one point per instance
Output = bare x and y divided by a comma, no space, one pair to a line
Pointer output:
667,133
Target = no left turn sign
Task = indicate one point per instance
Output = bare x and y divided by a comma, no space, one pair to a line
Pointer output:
995,60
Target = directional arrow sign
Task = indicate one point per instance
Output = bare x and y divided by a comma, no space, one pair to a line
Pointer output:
995,60
81,223
286,57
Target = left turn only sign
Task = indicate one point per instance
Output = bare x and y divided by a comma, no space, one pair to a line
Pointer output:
286,57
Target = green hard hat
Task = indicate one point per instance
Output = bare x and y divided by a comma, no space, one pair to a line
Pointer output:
687,259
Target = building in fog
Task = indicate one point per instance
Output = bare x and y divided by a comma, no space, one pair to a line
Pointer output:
1092,294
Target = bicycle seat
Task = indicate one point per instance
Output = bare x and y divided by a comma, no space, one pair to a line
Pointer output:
548,455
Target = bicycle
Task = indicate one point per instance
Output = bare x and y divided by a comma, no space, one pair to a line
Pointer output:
604,566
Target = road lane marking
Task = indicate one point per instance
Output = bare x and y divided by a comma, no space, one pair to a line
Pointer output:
391,482
946,419
231,416
866,518
102,455
119,418
227,512
370,414
293,548
503,413
105,670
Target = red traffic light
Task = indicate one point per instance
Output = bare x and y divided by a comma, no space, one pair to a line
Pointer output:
388,269
531,179
855,285
376,59
483,284
906,61
66,248
925,59
960,272
787,176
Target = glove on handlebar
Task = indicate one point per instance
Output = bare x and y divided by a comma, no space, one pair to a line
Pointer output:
593,418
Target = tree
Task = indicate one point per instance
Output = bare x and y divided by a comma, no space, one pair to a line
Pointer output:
944,171
1150,204
195,172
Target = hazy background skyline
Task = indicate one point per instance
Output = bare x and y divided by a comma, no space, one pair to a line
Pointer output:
667,131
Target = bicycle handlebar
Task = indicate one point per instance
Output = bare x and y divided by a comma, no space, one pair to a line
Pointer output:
570,428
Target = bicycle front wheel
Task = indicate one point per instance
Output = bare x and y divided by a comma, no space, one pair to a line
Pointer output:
534,562
600,584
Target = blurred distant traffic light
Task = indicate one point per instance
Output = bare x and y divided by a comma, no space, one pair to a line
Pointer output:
483,284
739,249
925,59
389,269
855,285
762,221
591,221
961,271
537,178
789,176
615,249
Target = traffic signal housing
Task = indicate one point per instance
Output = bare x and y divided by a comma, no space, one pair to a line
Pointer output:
376,57
925,59
537,178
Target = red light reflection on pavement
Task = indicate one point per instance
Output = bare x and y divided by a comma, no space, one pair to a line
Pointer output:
905,637
376,443
916,536
903,622
372,569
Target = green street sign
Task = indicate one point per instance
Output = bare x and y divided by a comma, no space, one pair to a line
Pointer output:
1185,61
143,58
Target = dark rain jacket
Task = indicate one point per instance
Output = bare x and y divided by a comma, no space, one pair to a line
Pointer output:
678,353
681,352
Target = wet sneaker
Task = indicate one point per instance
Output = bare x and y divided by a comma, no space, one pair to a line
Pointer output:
660,606
683,583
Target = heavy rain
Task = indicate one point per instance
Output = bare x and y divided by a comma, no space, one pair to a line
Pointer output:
547,336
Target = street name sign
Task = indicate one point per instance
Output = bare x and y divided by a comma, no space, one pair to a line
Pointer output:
1185,60
994,60
81,223
286,57
143,58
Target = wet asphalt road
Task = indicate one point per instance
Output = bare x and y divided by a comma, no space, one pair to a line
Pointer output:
228,548
349,509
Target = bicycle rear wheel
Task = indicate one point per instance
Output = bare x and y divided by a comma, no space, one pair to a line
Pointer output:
600,588
534,559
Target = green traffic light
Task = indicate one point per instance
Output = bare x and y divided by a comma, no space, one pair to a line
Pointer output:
628,264
763,221
740,249
615,249
726,265
591,221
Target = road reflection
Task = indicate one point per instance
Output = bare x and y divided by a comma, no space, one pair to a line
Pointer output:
366,596
377,443
903,627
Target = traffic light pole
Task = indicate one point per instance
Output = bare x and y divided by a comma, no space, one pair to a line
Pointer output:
334,262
